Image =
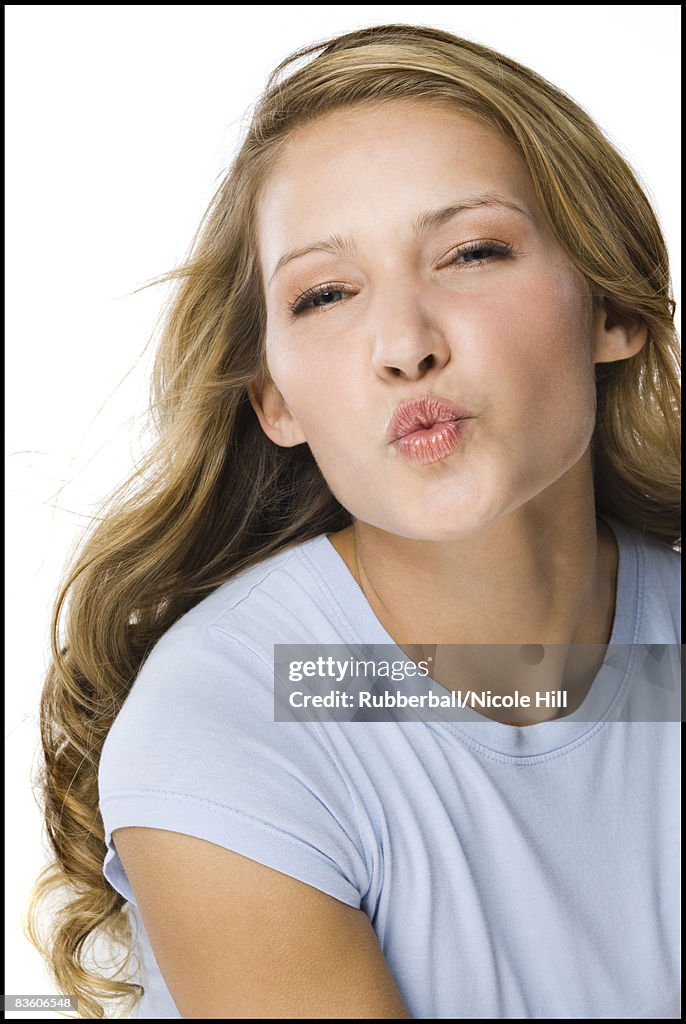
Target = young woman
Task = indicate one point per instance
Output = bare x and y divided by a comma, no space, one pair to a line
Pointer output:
418,387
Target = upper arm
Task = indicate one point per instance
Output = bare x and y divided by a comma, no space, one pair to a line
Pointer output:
234,938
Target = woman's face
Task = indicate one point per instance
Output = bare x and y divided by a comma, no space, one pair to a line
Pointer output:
404,255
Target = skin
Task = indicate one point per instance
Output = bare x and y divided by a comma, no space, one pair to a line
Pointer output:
235,939
498,542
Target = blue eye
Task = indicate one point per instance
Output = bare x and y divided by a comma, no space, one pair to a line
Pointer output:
321,296
325,297
478,253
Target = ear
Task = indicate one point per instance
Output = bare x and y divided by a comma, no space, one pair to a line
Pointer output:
275,417
616,335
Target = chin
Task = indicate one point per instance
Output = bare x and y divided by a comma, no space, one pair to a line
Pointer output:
439,525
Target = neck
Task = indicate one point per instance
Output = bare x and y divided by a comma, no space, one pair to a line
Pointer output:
543,574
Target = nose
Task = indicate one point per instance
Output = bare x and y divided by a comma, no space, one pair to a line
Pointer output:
408,343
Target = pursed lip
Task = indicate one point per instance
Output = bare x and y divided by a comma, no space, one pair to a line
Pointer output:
422,414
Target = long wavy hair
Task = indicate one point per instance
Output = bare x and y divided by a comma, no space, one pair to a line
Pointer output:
214,495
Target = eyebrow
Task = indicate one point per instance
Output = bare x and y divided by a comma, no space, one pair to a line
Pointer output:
428,220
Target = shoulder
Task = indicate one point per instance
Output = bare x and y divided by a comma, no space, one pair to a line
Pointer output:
661,563
286,591
210,677
656,577
662,590
206,682
195,748
200,712
280,575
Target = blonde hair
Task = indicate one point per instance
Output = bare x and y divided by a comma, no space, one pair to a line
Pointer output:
214,495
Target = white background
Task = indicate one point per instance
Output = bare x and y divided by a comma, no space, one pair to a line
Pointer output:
120,122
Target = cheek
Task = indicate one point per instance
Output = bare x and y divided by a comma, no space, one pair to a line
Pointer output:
311,386
542,350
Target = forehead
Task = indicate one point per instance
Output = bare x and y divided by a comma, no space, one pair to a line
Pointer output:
379,161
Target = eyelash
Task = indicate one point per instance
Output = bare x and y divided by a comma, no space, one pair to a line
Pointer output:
502,249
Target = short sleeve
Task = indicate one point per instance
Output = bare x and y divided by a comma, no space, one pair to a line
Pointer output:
195,749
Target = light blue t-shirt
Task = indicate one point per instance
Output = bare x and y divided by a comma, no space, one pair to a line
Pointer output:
508,872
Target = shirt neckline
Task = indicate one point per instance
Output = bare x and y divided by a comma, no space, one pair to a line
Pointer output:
495,739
